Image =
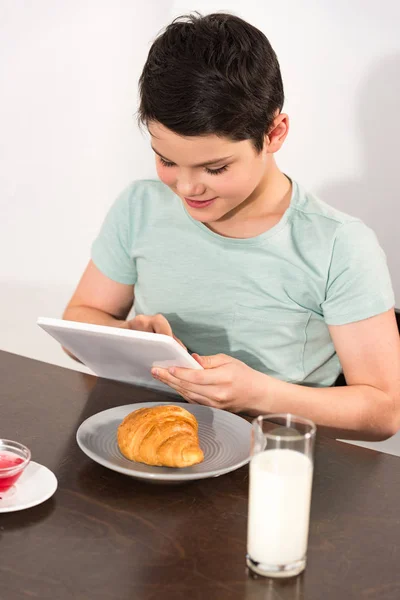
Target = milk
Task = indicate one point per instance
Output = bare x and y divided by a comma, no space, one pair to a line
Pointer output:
279,506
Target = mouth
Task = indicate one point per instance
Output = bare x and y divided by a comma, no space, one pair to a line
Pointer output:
199,203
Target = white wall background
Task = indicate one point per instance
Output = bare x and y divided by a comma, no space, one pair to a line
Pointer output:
69,141
68,145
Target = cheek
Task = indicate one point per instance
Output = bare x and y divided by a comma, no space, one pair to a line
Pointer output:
235,185
166,175
249,177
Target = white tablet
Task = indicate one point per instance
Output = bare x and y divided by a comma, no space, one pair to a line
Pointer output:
120,354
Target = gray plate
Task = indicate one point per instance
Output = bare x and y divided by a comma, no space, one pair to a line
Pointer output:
224,439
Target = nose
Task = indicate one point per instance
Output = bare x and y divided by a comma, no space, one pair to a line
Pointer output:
186,186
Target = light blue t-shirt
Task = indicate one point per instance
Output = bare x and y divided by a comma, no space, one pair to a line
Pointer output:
265,300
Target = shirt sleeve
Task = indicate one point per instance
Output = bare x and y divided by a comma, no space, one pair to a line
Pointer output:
359,284
112,250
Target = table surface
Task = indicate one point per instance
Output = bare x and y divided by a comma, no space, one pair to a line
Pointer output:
104,535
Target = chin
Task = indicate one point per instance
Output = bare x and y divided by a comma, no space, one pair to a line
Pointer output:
204,215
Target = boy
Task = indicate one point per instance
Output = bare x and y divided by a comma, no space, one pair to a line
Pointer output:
275,291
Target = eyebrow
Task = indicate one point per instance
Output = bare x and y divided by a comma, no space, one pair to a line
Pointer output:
205,164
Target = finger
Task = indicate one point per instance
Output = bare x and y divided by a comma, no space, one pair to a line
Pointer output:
206,402
191,397
194,398
204,377
209,396
166,377
179,342
161,325
201,400
197,358
211,362
140,323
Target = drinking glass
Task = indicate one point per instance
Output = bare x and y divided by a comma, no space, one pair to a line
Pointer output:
281,470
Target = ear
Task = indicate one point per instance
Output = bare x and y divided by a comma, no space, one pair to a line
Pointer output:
277,133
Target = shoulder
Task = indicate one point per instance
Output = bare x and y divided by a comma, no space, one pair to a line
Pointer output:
357,280
309,208
332,227
142,201
150,191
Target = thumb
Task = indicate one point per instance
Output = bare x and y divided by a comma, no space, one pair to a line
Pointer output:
211,362
179,341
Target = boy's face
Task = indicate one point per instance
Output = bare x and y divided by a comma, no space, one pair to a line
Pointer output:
209,191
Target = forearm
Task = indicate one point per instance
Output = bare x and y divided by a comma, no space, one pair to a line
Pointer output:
86,314
359,411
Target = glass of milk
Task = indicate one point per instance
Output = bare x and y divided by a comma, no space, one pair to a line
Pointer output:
281,470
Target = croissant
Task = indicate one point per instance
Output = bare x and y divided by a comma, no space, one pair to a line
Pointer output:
163,436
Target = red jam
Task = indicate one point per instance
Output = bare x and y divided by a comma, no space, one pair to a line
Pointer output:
8,478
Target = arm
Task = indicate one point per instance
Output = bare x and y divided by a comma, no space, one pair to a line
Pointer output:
103,301
368,408
99,300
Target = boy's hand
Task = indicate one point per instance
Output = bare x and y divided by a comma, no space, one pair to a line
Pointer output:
224,383
153,324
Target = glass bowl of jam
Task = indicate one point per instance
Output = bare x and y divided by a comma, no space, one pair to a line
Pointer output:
14,458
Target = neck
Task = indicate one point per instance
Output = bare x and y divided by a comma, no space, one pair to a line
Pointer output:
262,209
272,195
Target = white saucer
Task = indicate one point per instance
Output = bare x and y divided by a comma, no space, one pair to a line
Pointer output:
36,484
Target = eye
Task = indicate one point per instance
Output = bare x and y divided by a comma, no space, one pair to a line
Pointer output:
165,163
217,171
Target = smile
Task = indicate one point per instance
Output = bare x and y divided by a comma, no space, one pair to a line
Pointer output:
199,203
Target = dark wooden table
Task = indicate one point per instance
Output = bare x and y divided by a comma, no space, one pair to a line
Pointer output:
106,536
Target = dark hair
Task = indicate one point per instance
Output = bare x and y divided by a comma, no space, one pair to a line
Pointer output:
213,74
